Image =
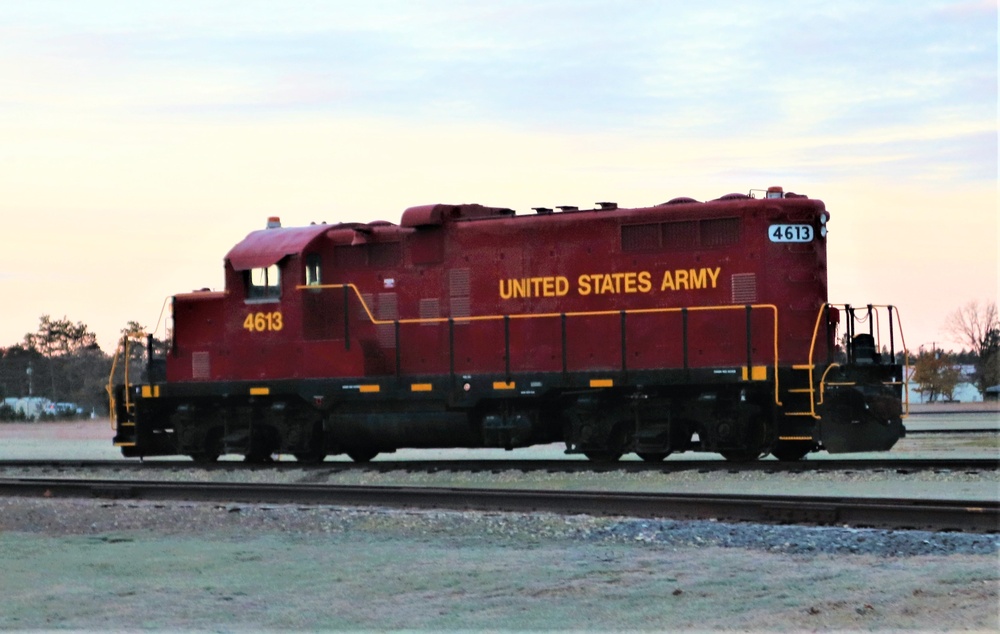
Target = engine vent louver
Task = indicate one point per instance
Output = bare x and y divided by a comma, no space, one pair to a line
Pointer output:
200,365
744,288
459,287
387,310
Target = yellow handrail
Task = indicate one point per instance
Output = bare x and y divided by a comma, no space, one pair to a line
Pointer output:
594,313
110,388
902,339
822,382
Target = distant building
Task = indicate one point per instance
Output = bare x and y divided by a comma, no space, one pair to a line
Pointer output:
31,407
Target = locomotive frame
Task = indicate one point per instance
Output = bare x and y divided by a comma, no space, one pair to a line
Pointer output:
706,328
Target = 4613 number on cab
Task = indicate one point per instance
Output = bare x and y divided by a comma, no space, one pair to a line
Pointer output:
263,322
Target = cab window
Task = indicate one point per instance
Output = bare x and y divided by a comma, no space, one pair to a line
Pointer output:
264,283
312,269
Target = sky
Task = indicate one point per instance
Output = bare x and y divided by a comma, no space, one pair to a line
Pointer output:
140,141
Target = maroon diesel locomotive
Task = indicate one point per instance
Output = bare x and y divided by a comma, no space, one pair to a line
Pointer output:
684,326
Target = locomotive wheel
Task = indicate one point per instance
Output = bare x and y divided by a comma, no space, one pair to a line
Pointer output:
741,455
791,451
211,449
756,436
312,457
618,439
603,456
658,456
315,451
362,455
204,457
258,458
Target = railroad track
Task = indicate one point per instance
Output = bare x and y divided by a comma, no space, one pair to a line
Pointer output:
894,513
957,431
900,465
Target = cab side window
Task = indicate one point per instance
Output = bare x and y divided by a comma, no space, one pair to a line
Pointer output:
312,269
264,283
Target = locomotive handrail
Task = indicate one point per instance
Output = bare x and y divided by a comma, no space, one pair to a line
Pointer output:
112,402
590,313
875,330
110,387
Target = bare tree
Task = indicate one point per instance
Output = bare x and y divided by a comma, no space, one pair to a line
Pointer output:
979,328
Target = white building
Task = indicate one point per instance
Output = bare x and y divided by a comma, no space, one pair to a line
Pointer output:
31,407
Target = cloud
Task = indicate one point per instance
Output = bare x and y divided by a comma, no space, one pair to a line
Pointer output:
718,70
204,117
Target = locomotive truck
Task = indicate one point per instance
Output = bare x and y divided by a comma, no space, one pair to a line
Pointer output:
682,326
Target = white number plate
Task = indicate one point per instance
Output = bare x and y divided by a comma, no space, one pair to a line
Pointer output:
790,233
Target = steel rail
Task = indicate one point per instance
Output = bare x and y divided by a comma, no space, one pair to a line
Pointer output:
958,431
979,516
529,465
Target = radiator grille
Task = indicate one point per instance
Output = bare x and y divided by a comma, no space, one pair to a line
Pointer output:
720,231
641,237
680,235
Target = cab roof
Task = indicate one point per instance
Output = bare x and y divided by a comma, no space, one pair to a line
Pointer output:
265,247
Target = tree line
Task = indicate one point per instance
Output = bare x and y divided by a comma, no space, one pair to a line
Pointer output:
62,362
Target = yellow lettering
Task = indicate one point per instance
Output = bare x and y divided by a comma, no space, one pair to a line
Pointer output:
508,293
668,282
627,282
606,285
520,288
714,274
549,286
681,277
618,281
630,283
697,277
645,282
562,286
264,322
